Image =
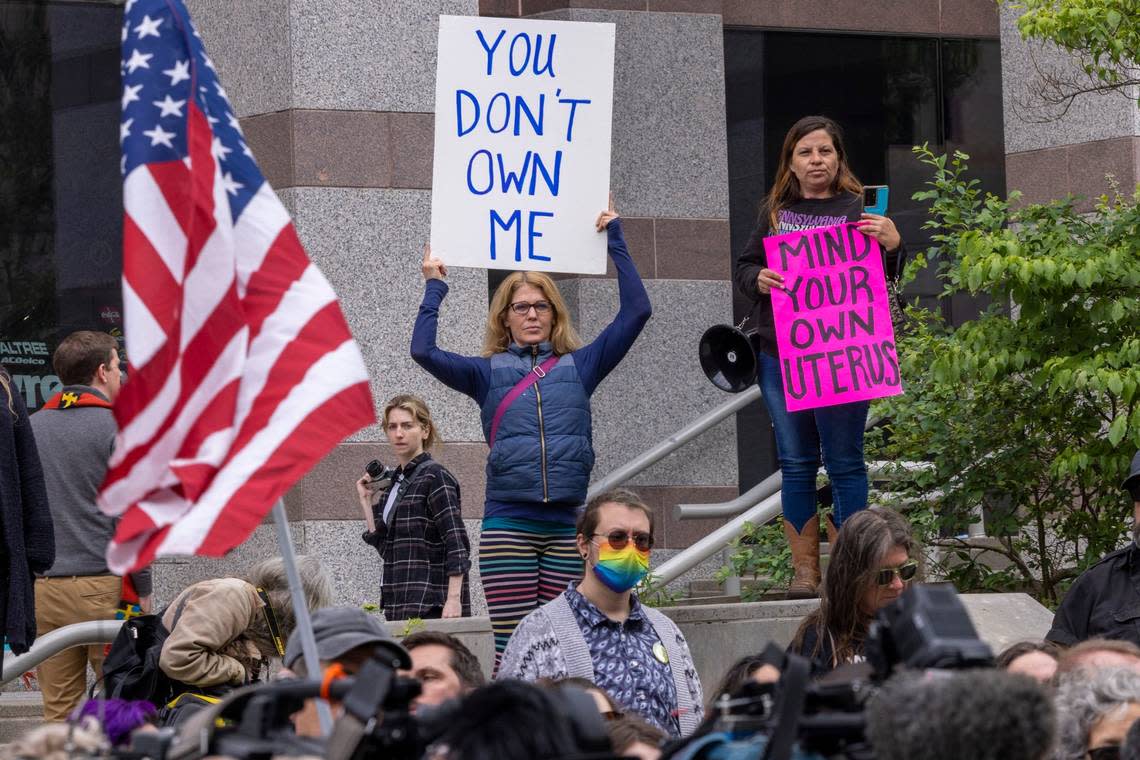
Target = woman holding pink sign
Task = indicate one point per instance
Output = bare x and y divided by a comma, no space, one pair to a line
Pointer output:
814,188
533,384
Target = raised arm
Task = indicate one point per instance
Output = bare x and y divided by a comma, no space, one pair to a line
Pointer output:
466,374
598,359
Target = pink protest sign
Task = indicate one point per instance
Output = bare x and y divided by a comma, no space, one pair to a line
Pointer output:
833,321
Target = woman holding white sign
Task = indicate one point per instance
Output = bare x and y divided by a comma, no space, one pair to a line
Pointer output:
533,384
814,188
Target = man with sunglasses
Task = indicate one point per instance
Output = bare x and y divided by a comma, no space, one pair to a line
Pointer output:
598,630
1104,602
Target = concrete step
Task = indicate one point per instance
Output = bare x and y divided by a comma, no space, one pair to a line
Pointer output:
692,601
20,712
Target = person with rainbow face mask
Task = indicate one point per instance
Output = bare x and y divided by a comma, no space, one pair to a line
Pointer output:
598,630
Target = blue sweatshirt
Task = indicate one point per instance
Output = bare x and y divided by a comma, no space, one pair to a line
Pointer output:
472,374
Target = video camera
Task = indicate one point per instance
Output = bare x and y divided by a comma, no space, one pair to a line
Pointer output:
376,721
254,721
801,719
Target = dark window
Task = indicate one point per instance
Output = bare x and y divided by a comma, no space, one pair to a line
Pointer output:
60,189
888,94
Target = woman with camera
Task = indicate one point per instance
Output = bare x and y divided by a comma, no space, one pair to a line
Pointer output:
414,520
533,384
814,187
869,568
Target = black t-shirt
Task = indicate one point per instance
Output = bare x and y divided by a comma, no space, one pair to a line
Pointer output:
1104,602
824,660
805,214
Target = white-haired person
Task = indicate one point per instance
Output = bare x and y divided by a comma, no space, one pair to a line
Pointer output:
1094,712
224,631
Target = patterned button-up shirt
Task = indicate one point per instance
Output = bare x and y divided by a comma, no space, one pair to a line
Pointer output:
630,662
422,542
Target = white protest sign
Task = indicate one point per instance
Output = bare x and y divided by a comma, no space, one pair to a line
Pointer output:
522,143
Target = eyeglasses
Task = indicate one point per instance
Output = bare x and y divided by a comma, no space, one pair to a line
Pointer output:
522,308
619,538
1111,752
906,572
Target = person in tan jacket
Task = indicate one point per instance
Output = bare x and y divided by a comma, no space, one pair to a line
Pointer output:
221,629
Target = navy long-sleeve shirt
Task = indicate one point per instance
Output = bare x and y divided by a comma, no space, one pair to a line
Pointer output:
472,374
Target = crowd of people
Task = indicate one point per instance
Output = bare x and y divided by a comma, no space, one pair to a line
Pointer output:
559,574
1042,701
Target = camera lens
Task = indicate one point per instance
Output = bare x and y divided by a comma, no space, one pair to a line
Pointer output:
374,469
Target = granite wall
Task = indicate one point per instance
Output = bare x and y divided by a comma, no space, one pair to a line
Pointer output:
1053,149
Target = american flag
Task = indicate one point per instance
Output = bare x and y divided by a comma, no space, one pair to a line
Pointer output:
244,373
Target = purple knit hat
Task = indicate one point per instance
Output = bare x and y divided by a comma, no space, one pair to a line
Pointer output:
118,717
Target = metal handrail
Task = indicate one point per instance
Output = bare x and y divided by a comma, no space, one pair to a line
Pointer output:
689,558
54,642
769,507
749,498
678,439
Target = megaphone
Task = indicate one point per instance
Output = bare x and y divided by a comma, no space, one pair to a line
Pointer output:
728,357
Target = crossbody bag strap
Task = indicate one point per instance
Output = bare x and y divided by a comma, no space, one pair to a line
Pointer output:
271,622
536,373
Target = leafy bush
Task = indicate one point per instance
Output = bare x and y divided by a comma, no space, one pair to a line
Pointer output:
1031,410
760,552
653,593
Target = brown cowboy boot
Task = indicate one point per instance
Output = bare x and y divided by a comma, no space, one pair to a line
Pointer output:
805,559
832,531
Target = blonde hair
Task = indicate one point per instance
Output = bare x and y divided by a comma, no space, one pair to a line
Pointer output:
563,336
786,189
6,384
415,406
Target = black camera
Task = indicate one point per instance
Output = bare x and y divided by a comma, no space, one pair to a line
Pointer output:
381,476
254,721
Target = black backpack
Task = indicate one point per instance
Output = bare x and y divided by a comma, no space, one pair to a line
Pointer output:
131,670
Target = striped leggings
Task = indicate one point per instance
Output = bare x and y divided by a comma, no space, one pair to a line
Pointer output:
521,570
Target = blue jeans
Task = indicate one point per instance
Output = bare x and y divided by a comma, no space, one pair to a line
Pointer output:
836,432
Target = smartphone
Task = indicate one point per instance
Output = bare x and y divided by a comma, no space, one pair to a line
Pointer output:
875,199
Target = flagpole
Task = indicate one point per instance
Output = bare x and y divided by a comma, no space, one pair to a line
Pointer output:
300,610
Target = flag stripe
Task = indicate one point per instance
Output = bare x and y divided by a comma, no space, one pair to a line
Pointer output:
259,229
290,367
147,209
331,374
149,335
311,439
152,459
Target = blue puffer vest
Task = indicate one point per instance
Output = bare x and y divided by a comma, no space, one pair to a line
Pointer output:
543,451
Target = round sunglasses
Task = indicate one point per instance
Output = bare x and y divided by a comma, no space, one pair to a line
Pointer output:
619,538
905,572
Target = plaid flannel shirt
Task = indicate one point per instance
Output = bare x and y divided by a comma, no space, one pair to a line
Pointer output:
422,543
